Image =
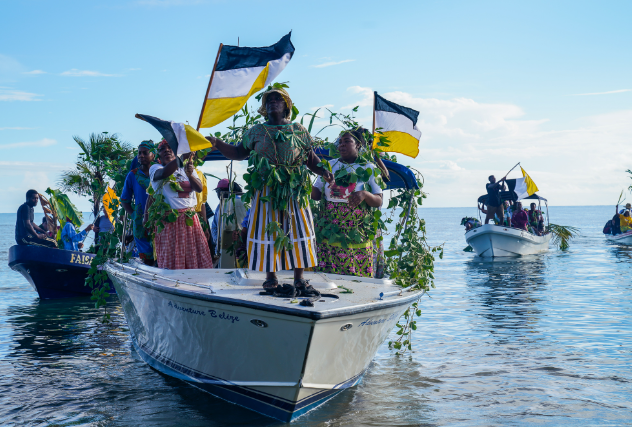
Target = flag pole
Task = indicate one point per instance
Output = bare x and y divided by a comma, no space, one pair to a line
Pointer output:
208,89
512,169
374,97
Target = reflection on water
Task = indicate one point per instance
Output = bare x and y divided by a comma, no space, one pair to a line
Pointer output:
536,340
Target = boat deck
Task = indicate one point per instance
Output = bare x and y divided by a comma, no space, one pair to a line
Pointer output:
340,295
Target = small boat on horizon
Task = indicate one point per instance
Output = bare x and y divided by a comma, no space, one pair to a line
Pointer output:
491,240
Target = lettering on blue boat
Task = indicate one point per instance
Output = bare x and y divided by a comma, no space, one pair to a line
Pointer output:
224,316
371,321
80,259
186,309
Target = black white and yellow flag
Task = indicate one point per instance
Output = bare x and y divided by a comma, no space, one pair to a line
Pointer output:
239,73
399,125
523,187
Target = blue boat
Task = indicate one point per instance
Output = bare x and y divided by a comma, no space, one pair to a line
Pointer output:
53,273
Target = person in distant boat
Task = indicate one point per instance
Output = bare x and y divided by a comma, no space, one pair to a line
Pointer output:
179,246
520,219
26,231
534,216
72,240
135,188
346,207
288,144
628,207
494,204
625,220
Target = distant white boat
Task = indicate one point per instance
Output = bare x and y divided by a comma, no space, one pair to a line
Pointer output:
621,239
492,240
499,241
213,329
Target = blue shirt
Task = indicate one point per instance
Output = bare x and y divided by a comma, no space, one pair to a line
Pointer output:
133,188
71,238
136,184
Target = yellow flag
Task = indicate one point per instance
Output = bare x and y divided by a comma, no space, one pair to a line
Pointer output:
108,198
531,187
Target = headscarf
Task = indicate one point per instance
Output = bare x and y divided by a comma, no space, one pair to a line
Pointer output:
149,144
162,143
288,101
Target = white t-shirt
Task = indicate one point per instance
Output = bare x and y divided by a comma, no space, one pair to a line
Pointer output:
172,197
338,194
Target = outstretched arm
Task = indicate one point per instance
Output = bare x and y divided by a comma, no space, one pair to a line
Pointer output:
312,164
232,152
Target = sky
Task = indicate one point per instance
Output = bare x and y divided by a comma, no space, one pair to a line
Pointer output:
547,84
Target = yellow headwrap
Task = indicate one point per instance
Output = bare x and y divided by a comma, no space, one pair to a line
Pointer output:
262,110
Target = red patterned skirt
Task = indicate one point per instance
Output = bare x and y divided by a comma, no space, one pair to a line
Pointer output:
180,246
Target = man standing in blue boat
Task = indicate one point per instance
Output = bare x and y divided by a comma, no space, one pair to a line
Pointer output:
26,231
135,186
71,239
494,204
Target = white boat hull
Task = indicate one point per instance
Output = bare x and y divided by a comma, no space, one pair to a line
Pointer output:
498,241
621,239
294,363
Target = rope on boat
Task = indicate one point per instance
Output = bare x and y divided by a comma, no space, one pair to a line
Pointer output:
177,281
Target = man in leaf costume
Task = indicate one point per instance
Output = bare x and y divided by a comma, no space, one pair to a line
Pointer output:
281,232
135,187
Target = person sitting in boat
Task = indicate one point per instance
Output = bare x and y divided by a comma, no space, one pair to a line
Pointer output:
540,230
494,204
72,240
470,223
625,220
281,143
347,206
628,207
135,187
534,216
520,219
508,205
178,245
26,231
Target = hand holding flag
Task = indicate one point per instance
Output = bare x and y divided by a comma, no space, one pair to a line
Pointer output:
181,137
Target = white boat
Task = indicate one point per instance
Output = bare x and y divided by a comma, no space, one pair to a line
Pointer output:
491,240
621,239
213,329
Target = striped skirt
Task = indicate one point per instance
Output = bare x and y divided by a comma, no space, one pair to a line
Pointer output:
298,225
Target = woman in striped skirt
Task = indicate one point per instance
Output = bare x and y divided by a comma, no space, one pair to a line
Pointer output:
281,143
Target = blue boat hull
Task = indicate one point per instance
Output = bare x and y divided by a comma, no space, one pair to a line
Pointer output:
53,273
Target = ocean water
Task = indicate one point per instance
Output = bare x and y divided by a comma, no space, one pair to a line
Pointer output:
542,340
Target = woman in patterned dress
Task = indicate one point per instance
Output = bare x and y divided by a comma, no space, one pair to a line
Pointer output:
287,144
346,207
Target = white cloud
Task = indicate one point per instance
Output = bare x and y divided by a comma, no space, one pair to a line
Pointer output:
323,107
8,94
464,141
45,142
9,66
35,72
603,93
86,73
329,64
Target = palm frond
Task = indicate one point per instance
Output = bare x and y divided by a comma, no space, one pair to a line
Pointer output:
562,235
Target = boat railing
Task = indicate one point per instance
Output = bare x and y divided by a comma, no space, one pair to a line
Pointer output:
156,276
